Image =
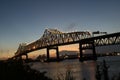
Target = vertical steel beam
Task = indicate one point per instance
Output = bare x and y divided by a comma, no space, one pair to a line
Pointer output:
94,51
81,53
57,53
26,56
48,55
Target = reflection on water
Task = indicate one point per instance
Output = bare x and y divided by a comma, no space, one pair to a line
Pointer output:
79,70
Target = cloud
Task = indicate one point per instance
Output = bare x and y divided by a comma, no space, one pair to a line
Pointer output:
71,27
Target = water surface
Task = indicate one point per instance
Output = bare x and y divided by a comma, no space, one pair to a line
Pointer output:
79,70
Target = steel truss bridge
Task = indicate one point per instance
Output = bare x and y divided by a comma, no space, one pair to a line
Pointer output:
52,38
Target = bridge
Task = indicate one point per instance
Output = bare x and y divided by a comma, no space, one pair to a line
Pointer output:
52,38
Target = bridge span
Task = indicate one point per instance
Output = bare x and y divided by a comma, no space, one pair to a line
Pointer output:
52,38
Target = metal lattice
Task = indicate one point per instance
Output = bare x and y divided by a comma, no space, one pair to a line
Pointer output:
53,37
110,39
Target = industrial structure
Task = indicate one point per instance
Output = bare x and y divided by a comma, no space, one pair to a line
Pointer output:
52,38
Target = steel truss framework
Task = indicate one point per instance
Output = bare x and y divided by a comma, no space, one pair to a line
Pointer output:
110,39
52,37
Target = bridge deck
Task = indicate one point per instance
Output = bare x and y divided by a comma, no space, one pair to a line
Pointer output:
52,38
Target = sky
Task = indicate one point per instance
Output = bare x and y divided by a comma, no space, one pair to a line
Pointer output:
24,21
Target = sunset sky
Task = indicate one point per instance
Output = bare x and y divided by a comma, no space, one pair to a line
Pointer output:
25,20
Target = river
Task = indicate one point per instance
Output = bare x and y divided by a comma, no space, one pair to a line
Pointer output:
79,70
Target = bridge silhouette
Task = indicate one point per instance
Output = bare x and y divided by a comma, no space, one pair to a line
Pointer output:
52,38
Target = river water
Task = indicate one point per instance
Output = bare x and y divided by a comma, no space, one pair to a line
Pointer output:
79,70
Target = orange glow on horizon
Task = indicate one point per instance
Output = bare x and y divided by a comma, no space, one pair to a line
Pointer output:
34,54
73,47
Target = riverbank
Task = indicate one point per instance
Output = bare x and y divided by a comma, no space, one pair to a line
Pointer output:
88,70
17,70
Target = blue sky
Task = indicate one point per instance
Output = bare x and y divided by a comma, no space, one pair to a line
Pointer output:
25,20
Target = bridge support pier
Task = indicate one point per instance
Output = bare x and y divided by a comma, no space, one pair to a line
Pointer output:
81,52
83,45
94,51
48,54
26,56
57,53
